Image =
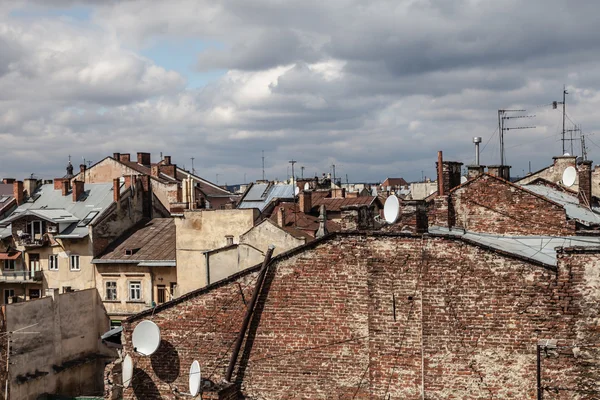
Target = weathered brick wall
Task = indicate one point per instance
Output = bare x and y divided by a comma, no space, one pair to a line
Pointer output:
377,316
490,205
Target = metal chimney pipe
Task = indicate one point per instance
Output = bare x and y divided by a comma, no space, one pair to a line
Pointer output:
476,140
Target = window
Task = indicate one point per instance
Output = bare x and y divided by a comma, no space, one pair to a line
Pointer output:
74,263
34,293
67,289
229,240
111,290
172,294
161,294
135,290
114,323
9,265
9,295
37,229
53,262
85,222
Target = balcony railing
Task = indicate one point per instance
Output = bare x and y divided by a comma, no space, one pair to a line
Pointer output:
20,276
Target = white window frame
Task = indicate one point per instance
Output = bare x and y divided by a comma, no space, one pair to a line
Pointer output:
133,296
113,289
53,262
10,262
74,262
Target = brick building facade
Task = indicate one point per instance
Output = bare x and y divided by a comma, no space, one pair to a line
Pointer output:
386,315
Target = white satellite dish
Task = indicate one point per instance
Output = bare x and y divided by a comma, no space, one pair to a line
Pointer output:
296,191
306,186
391,209
568,177
146,338
195,378
127,371
463,179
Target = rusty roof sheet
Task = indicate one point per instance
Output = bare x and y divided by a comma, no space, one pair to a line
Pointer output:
152,240
336,203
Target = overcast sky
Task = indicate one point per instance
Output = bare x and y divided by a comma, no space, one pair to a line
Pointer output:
374,87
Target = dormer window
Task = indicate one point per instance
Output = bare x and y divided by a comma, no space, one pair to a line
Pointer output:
88,218
130,252
36,229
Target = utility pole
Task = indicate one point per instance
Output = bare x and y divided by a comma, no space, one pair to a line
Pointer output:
217,179
564,104
583,148
294,191
502,117
302,171
263,164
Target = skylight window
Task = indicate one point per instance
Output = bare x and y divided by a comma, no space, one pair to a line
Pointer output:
88,218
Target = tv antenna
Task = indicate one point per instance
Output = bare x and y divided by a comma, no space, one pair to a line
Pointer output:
571,139
263,165
502,117
193,170
555,106
295,193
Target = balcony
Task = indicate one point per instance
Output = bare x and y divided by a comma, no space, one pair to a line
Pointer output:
20,276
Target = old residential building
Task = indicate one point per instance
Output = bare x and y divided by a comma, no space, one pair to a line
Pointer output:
55,233
138,270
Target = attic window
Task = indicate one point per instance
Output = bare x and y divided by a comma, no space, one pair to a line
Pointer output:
88,218
130,252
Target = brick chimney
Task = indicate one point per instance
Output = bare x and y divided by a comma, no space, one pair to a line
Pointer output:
281,216
585,183
8,181
170,169
143,158
62,184
117,156
30,185
338,193
448,175
167,160
357,217
78,189
473,171
501,171
124,157
155,170
18,192
305,201
117,190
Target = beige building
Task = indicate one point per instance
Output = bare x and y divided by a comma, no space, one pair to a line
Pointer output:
199,231
55,346
138,270
421,190
55,233
251,249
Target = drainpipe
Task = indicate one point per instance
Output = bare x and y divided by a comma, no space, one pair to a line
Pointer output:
259,281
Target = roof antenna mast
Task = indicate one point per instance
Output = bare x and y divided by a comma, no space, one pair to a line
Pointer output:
555,106
502,116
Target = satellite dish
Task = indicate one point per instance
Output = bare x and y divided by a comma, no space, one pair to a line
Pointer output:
391,209
195,378
463,179
374,192
296,191
306,186
127,371
146,338
566,154
569,175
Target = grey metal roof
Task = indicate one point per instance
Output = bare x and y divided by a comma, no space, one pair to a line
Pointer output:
51,205
569,202
539,248
5,232
259,199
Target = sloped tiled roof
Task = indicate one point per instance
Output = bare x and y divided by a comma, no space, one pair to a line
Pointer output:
394,182
336,203
304,222
152,240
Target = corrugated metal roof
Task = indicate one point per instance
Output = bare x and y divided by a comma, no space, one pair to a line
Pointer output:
569,202
539,248
284,192
257,192
52,205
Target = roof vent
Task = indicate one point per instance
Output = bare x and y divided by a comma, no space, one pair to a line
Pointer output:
130,252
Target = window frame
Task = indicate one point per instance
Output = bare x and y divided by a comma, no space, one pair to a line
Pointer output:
53,265
130,287
72,267
112,289
9,262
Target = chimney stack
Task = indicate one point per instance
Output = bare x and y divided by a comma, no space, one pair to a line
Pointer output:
476,140
30,185
473,171
440,174
8,181
143,158
18,192
62,184
305,201
281,217
448,175
154,170
167,160
585,183
117,156
78,189
501,171
117,190
124,157
322,231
